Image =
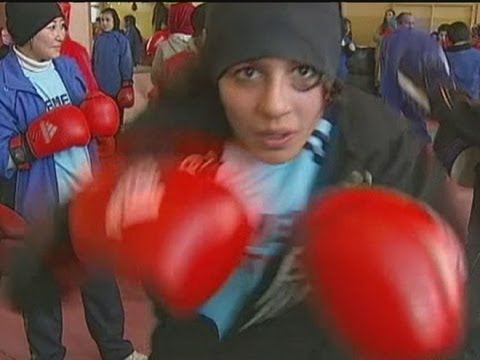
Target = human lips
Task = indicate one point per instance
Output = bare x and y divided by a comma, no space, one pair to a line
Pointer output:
276,139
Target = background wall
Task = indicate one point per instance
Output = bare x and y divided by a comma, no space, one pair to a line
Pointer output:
365,17
80,26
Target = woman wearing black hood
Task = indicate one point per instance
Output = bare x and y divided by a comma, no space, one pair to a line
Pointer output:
274,66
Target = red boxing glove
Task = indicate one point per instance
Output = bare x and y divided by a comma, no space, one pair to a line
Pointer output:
186,232
126,95
54,131
103,117
154,40
387,274
102,114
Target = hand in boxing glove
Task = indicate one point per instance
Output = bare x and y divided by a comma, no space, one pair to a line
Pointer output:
394,287
126,95
57,130
103,117
102,114
182,235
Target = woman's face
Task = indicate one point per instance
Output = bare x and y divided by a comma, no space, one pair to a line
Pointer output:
106,21
442,35
46,44
273,105
389,15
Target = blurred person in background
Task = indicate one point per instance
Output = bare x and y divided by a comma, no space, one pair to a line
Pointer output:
348,48
181,31
175,65
406,20
135,39
161,32
112,61
387,26
443,35
464,60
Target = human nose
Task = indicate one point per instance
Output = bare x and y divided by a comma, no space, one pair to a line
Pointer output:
275,102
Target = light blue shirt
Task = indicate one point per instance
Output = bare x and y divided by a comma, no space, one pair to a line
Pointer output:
273,194
73,165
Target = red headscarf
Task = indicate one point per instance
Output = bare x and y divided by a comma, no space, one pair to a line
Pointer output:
179,18
76,51
66,8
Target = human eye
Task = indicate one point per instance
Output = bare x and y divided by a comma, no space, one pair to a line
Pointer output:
247,72
305,77
51,26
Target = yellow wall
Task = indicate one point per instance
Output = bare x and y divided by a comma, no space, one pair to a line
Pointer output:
80,27
366,17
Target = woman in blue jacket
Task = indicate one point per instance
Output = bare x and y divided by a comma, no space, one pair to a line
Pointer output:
39,88
112,60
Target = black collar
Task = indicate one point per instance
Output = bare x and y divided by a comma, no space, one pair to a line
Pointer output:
461,47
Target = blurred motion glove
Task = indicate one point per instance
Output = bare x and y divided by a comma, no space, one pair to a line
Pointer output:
394,288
